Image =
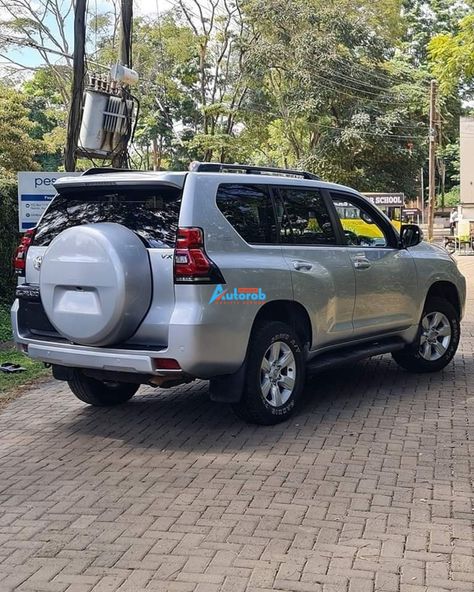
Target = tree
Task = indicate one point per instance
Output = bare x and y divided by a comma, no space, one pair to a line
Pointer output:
452,58
41,24
333,98
425,19
339,88
17,147
48,113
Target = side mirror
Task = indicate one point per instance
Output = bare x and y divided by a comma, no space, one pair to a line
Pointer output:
366,218
410,235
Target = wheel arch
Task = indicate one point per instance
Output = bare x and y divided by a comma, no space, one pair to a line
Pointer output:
289,312
447,291
229,388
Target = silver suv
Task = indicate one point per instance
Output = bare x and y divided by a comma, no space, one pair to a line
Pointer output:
246,276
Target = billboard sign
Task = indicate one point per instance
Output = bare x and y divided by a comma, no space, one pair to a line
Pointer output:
35,191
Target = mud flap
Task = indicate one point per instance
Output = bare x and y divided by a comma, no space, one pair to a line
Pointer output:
228,388
62,372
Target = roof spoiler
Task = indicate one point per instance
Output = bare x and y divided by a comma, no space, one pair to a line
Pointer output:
101,170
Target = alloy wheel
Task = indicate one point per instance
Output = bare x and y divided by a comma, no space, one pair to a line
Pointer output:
278,374
435,336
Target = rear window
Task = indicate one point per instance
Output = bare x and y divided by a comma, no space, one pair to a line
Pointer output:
151,212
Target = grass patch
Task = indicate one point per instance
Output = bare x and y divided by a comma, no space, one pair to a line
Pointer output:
10,382
5,325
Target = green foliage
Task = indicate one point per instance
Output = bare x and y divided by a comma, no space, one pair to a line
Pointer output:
9,238
450,156
452,198
48,113
331,100
424,19
452,56
5,324
17,146
339,88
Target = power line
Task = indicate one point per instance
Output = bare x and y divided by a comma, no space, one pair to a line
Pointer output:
380,101
360,82
378,135
367,70
340,128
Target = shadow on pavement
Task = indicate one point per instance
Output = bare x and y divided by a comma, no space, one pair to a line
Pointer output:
338,401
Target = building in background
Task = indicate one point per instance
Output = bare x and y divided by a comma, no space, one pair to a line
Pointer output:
466,209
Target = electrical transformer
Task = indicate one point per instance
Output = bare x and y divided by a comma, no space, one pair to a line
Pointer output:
106,120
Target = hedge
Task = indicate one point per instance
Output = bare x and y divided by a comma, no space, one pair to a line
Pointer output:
9,238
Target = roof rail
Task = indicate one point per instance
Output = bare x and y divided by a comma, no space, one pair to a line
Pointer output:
218,167
100,170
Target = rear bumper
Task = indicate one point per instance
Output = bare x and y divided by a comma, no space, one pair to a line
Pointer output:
119,361
202,351
78,356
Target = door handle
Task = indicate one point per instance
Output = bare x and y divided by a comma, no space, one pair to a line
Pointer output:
302,265
361,263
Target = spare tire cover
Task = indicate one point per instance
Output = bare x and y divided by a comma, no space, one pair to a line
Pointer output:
95,283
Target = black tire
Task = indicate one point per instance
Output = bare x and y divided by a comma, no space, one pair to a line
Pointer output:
253,406
101,394
410,357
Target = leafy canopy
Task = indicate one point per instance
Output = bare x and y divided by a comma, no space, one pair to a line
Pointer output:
17,146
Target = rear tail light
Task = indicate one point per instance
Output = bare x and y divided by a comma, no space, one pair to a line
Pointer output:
191,263
19,259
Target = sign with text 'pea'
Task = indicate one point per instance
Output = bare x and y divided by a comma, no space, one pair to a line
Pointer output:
35,191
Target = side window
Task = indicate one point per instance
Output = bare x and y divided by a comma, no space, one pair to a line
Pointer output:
359,228
303,218
249,209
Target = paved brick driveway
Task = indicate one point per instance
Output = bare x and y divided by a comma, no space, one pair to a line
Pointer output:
368,488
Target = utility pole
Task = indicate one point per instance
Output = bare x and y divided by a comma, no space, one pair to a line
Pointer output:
422,200
125,58
433,143
126,17
78,71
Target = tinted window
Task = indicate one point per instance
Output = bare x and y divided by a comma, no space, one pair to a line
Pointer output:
303,218
249,209
152,212
358,226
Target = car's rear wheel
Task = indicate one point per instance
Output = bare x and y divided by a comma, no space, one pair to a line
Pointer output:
437,339
100,393
274,377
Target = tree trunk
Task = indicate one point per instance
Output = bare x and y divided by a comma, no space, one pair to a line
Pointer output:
75,111
156,155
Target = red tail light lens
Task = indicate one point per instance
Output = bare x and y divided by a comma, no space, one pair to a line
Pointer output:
191,263
19,259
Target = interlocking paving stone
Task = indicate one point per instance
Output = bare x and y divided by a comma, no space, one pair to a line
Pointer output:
367,489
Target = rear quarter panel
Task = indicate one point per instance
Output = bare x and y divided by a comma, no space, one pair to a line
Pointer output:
242,266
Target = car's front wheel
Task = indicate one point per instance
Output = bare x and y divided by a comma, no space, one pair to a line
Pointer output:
437,339
100,393
275,375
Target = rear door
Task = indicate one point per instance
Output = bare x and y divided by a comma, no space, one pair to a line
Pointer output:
386,281
322,274
151,211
